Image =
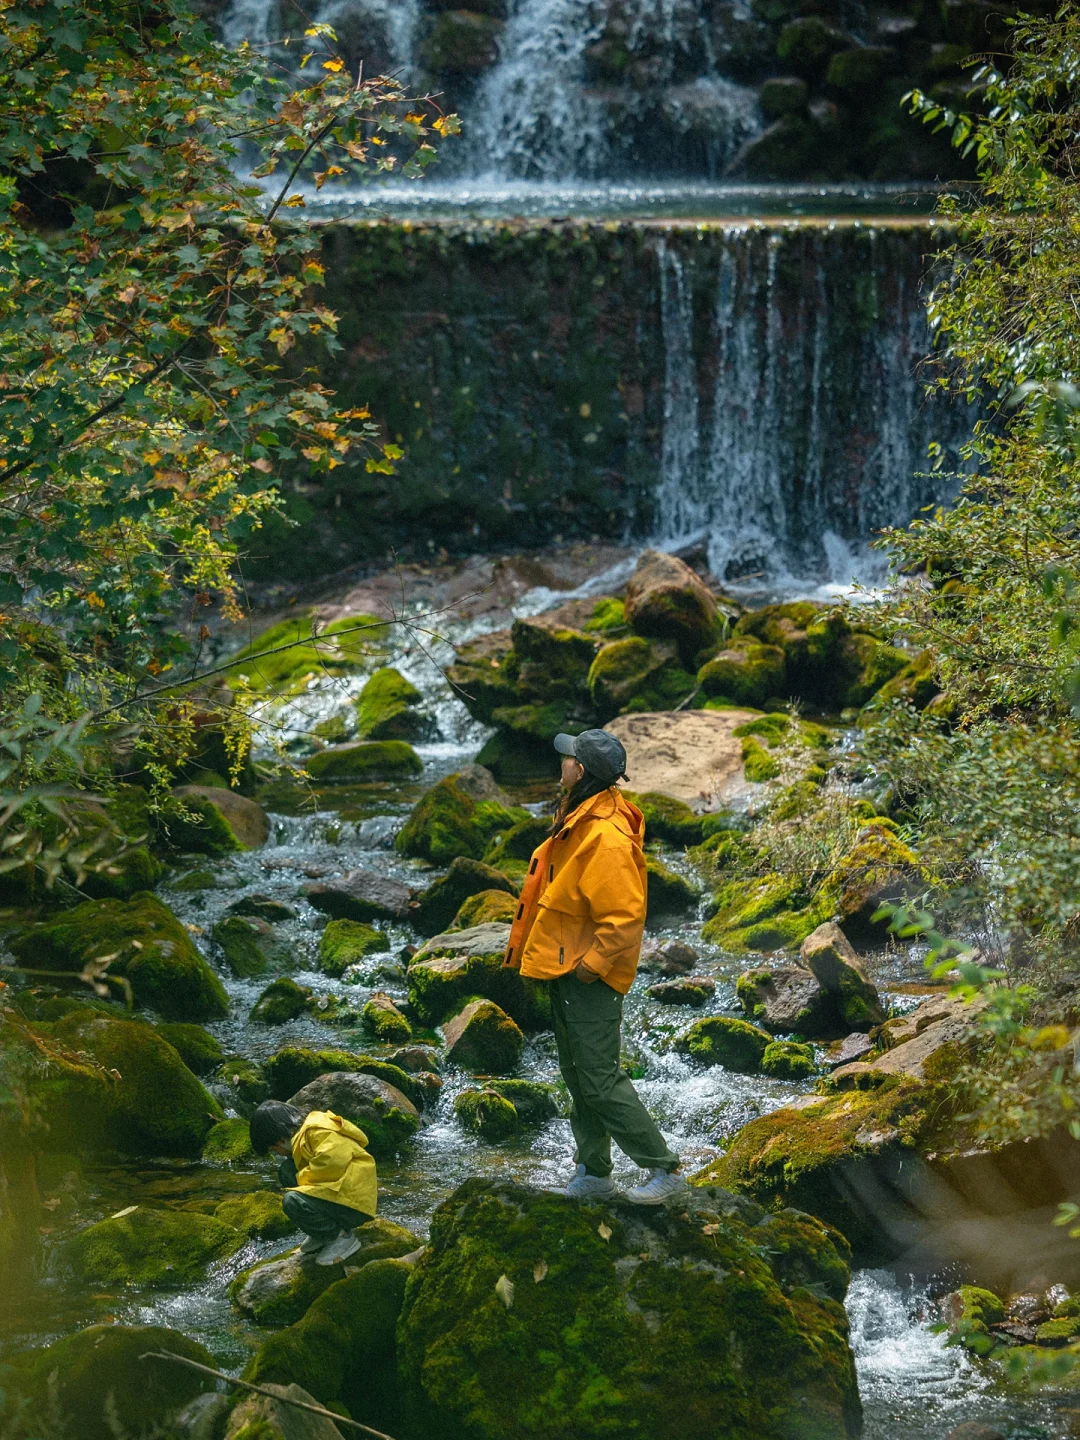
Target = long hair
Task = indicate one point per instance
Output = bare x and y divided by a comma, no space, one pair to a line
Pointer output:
582,790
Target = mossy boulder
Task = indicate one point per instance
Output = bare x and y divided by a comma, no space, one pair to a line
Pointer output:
313,650
616,1305
228,1142
484,674
383,1113
668,819
461,42
244,943
517,755
863,665
364,760
163,1248
552,659
439,903
744,673
767,913
970,1312
458,816
198,1049
758,764
388,709
687,990
788,1060
835,1157
808,44
246,821
120,867
385,1021
608,615
630,670
668,892
666,600
830,957
282,1000
343,1349
360,895
97,1380
149,946
482,1038
461,964
533,1100
916,684
245,1079
294,1066
256,1215
263,907
489,1114
345,942
488,907
786,999
512,849
734,1044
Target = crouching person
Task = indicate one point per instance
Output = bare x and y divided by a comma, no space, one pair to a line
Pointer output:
329,1177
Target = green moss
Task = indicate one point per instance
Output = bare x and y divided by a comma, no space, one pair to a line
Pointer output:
878,865
916,684
864,666
668,892
1058,1332
773,728
441,901
533,1101
609,1342
201,830
387,709
242,945
198,1049
167,1248
441,979
245,1077
667,818
734,1044
482,1038
386,1022
486,908
258,1214
517,843
484,674
364,760
758,764
746,673
608,614
344,942
768,913
787,1060
552,660
288,671
227,1142
488,1113
630,669
516,757
152,951
193,881
293,1066
90,1373
281,1001
448,822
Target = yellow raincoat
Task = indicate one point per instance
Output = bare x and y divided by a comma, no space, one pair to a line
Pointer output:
332,1162
584,896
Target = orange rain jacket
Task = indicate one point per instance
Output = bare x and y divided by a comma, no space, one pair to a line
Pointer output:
584,896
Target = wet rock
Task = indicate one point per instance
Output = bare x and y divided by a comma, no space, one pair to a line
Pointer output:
969,1313
262,907
782,96
439,903
246,944
484,674
670,957
789,1000
693,990
273,1417
257,1214
457,816
668,892
453,967
282,1000
717,1040
294,1066
579,1280
855,1046
386,1022
667,600
387,1118
667,818
690,755
360,895
511,850
489,1114
354,1317
487,907
533,1101
246,820
808,44
279,1290
90,1375
483,1038
788,1060
828,954
245,1079
552,658
227,1142
941,1031
166,1248
148,947
879,867
862,68
461,42
361,760
346,942
636,671
745,673
414,1059
974,1430
198,1049
388,709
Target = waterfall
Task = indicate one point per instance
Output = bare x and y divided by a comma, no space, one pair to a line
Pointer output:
801,426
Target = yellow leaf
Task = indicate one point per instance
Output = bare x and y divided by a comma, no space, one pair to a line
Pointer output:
294,202
313,455
504,1289
335,65
376,141
130,1210
604,1231
355,149
540,1269
709,1229
334,170
263,465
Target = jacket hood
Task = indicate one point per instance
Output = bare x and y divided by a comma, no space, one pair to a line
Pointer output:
327,1120
613,806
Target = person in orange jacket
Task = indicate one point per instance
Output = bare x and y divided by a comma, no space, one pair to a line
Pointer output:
578,925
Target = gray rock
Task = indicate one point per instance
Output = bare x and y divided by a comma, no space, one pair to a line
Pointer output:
360,895
830,956
483,1038
791,1000
262,907
853,1047
271,1419
677,958
693,990
382,1112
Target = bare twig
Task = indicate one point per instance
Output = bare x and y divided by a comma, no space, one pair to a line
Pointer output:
262,1390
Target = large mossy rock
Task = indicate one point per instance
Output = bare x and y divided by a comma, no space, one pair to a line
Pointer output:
383,1113
385,1021
388,709
364,760
275,1413
831,958
484,674
100,1381
165,1248
489,907
666,600
247,944
668,819
552,659
744,673
439,903
879,867
282,1000
345,942
120,868
669,893
461,964
343,1349
294,1066
483,1039
360,895
717,1040
637,674
247,822
787,1000
767,913
342,647
200,1051
458,816
536,1317
149,946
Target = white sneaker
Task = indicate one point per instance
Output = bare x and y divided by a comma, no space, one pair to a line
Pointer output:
312,1245
587,1187
658,1189
340,1249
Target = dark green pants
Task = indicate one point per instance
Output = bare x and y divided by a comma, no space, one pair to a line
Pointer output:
588,1022
314,1216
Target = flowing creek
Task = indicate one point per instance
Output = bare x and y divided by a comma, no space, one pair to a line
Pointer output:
913,1386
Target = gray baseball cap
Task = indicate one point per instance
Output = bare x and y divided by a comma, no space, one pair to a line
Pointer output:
601,754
